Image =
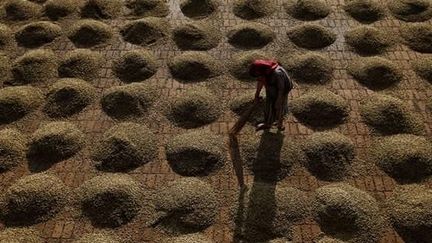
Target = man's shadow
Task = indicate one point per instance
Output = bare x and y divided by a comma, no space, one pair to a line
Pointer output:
257,204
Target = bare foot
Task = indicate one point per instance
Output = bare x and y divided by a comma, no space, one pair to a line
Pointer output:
262,126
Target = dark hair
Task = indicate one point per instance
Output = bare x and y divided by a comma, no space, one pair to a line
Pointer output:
254,72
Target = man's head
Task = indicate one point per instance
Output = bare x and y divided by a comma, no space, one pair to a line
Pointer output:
261,67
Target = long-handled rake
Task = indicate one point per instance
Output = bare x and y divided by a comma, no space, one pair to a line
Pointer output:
233,141
244,117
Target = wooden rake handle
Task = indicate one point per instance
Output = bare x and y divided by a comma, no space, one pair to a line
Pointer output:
244,117
233,144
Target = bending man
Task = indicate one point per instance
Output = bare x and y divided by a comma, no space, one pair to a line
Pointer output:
277,85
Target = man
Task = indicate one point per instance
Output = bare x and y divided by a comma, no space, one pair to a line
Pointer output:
277,84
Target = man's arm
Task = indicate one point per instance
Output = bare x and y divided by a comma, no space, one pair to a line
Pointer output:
260,85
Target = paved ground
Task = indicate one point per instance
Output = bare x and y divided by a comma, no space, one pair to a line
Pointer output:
65,228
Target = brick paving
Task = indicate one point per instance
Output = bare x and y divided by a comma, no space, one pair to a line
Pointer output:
66,227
